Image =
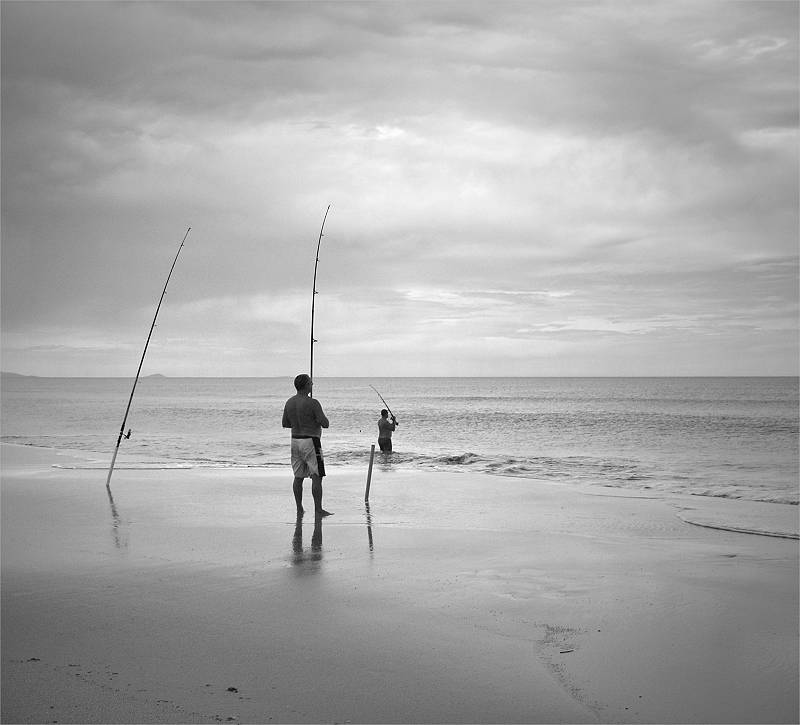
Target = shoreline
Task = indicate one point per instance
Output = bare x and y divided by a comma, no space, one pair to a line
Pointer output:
434,603
742,515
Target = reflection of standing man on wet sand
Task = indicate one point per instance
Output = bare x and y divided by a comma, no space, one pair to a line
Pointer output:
299,555
303,414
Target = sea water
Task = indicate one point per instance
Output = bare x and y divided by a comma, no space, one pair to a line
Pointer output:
726,437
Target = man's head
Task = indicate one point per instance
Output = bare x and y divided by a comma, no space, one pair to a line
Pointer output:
384,413
301,382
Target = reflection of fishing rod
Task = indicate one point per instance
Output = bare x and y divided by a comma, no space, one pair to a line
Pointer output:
384,402
314,296
116,521
141,362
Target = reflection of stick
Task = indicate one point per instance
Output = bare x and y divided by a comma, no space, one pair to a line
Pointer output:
369,473
384,402
314,296
369,528
141,362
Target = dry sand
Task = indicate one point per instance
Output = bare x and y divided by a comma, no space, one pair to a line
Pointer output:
437,602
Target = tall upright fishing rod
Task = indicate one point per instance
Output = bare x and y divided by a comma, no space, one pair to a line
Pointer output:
314,296
141,362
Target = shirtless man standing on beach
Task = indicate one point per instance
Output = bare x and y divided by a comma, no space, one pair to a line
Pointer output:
303,414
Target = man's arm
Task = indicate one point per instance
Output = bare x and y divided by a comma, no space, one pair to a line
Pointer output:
286,422
318,414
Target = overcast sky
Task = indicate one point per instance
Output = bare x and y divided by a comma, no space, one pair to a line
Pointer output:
516,188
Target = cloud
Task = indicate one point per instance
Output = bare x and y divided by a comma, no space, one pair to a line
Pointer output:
494,170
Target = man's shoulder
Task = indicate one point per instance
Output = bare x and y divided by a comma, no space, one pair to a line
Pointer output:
304,401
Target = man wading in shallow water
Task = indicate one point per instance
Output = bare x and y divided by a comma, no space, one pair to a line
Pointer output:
303,414
385,428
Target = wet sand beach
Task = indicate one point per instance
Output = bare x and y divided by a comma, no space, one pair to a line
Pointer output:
195,595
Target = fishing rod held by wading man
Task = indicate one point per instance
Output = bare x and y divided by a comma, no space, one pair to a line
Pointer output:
385,426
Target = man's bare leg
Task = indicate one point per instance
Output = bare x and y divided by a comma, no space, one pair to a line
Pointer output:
297,487
316,492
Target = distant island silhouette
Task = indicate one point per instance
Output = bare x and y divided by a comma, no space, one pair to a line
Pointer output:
19,375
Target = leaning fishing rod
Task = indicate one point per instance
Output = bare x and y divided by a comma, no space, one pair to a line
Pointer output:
141,362
314,297
384,402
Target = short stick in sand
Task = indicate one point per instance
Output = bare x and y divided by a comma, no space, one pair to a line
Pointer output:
369,472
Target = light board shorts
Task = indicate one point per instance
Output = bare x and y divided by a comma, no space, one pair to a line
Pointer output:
307,458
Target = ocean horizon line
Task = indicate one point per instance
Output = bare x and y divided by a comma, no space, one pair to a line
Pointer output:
8,374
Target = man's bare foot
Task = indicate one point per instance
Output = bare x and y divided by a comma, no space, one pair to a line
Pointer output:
322,512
